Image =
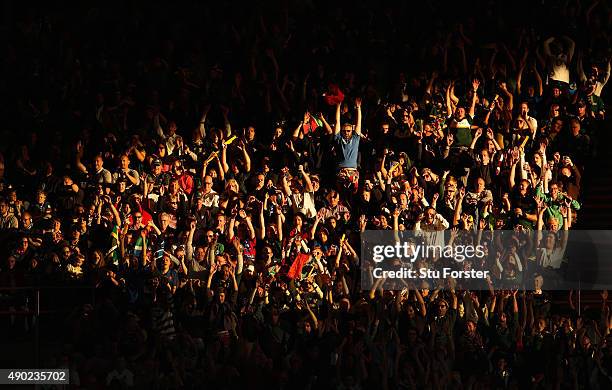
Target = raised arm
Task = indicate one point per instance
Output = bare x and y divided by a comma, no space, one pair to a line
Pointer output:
580,69
249,223
477,135
519,77
307,181
430,83
115,212
296,132
202,126
189,241
608,70
262,222
512,176
422,306
224,163
510,103
328,128
239,255
570,49
279,225
358,107
538,79
285,184
247,158
546,46
220,167
157,126
337,124
449,107
475,85
230,229
228,126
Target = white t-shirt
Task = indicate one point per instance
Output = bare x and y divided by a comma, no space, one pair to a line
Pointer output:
303,203
211,199
560,71
552,259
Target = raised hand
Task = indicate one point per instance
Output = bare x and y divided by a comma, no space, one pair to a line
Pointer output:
475,84
242,214
539,202
564,211
482,224
362,221
396,212
450,138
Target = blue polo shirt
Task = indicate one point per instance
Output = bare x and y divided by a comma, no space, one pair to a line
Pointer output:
349,151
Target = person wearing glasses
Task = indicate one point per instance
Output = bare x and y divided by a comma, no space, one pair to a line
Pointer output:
210,197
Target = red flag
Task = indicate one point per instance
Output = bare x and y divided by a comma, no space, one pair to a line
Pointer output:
295,271
334,95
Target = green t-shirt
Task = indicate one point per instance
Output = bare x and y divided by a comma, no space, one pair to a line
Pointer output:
463,132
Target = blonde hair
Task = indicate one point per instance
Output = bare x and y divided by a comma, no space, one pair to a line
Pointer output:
229,184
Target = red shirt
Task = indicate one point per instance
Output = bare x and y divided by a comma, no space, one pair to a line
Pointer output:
186,183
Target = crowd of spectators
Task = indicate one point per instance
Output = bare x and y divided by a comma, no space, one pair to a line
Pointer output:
208,170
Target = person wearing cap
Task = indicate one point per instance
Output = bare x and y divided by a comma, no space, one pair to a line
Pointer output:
582,114
155,180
